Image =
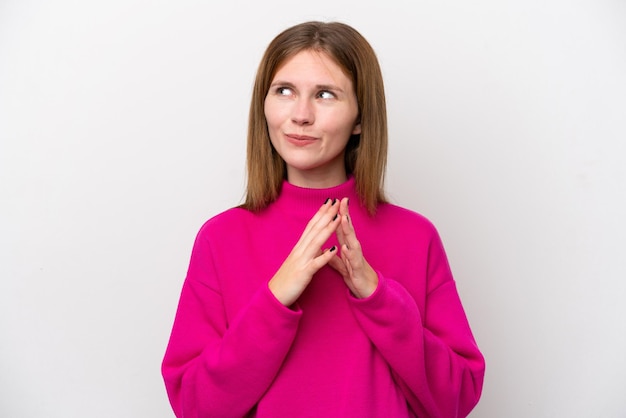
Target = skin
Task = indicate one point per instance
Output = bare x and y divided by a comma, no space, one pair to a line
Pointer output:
311,111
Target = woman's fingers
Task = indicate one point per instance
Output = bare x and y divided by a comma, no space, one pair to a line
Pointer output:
346,233
339,265
322,225
307,257
357,273
326,257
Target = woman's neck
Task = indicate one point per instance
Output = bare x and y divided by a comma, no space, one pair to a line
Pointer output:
307,200
312,180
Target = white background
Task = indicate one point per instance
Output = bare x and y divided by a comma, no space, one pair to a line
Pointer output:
122,128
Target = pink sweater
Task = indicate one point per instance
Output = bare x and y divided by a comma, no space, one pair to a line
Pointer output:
405,351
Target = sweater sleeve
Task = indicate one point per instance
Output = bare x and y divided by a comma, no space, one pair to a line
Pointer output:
432,353
216,368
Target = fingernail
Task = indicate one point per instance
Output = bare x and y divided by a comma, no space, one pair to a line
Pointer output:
333,248
327,199
334,201
347,219
348,202
335,217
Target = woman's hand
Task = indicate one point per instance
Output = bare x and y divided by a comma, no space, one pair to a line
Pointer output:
307,256
359,276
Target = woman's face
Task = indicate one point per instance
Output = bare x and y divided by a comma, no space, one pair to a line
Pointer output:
311,112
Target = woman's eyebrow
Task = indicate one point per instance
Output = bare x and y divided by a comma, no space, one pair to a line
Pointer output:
329,87
281,83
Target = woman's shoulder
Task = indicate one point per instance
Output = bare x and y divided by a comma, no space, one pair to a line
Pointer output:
230,220
394,211
404,218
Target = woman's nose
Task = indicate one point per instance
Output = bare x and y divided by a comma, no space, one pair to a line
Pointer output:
302,112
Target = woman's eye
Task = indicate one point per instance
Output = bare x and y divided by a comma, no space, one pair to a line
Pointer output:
284,91
326,95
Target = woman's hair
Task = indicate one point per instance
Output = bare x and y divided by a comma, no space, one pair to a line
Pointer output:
366,153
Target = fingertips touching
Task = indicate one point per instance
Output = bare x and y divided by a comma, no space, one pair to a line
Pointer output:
346,224
330,253
343,206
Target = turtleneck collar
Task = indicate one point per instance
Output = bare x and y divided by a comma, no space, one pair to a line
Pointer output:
307,201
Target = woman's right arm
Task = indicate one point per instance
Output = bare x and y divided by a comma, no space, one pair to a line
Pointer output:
216,367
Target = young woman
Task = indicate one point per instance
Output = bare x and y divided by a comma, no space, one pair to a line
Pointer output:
316,297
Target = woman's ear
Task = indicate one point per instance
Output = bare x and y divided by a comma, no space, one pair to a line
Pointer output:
357,129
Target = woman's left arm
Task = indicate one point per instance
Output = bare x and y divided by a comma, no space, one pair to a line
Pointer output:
433,354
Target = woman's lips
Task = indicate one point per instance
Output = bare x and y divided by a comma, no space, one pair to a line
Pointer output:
300,140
